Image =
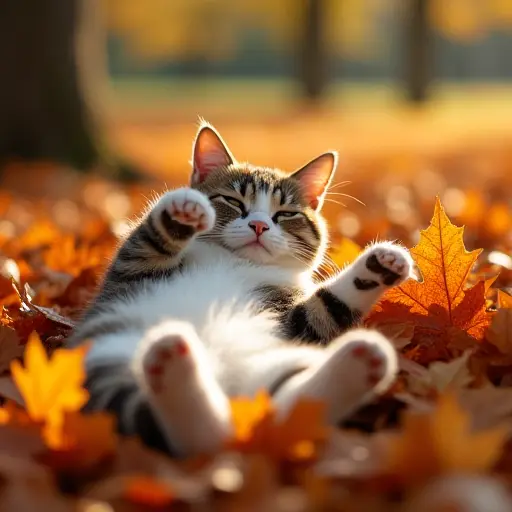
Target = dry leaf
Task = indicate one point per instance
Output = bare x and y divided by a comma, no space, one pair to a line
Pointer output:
27,487
440,442
80,440
444,314
499,333
504,300
441,376
144,490
10,347
296,437
461,493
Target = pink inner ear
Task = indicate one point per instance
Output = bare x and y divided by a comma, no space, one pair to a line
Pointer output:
314,178
210,153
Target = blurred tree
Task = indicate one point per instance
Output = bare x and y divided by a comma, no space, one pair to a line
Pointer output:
52,63
312,50
418,47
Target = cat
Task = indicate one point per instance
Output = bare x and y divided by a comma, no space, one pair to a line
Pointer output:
211,296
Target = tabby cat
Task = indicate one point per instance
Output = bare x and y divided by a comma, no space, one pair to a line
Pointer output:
212,296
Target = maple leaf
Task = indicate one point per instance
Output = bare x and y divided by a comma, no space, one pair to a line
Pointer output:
53,386
499,333
441,441
295,438
442,375
445,315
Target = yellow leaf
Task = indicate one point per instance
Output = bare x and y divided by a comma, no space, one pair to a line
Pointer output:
247,412
53,386
344,252
257,430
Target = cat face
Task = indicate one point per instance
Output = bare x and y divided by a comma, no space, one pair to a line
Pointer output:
263,214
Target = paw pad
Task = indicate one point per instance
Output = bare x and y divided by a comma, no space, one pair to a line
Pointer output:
373,360
360,352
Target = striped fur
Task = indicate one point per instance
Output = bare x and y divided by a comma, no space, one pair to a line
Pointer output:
217,279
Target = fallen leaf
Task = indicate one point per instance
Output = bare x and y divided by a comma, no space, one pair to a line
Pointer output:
504,300
460,493
440,442
400,334
296,437
50,387
27,486
446,316
10,347
144,490
80,440
344,252
499,333
441,376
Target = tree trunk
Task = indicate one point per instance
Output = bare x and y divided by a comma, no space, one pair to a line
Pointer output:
312,50
44,92
418,47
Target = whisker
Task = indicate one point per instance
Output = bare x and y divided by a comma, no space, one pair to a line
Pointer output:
345,195
340,184
328,200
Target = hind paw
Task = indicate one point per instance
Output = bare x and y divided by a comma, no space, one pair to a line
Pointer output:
166,362
373,359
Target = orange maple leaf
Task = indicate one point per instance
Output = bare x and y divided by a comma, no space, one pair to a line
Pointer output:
442,441
50,387
440,307
257,430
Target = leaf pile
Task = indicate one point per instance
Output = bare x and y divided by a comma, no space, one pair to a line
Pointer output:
440,438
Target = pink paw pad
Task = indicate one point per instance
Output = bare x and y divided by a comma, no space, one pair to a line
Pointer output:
373,360
155,373
164,353
360,352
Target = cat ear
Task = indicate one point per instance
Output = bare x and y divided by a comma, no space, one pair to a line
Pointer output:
210,152
314,178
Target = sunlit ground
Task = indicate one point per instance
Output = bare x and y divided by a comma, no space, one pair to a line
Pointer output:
263,121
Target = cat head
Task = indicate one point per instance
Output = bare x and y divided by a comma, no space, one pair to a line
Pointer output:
263,214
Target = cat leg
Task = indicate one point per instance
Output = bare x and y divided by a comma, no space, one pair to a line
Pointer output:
357,366
341,302
174,372
157,243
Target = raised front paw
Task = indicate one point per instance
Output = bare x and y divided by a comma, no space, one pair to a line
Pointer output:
386,264
186,207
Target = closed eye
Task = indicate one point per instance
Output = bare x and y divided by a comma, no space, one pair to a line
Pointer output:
284,215
231,201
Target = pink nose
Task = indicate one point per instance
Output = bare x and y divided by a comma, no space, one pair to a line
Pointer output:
258,226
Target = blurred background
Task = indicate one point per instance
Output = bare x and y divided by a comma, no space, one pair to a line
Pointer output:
415,94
